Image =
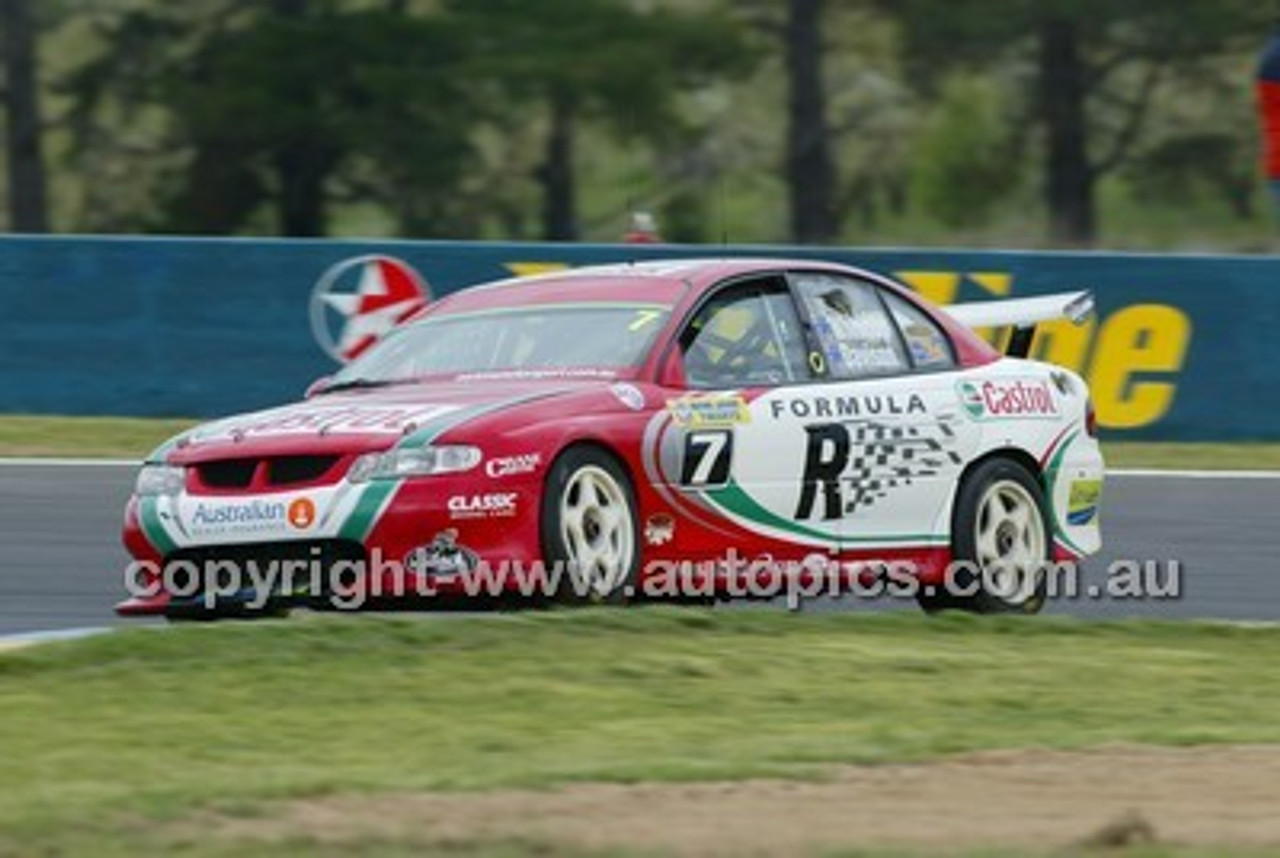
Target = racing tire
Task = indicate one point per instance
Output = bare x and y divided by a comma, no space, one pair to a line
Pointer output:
590,529
1000,527
186,616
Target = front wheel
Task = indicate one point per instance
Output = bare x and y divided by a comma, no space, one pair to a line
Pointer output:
1001,531
589,527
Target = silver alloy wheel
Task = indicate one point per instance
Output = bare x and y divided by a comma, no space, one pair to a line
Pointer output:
596,529
1010,540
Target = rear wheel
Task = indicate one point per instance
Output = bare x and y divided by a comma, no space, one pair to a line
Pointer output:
590,528
1001,531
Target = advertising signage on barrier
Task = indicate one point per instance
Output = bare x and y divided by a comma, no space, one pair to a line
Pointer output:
1182,347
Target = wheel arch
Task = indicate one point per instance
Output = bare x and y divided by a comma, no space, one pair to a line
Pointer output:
599,444
946,516
1015,454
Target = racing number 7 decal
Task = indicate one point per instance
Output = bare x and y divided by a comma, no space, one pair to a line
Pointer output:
707,456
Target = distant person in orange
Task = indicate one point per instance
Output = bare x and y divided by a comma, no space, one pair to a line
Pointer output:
1268,86
643,229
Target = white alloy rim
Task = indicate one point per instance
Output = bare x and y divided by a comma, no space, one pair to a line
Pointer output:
595,524
1009,536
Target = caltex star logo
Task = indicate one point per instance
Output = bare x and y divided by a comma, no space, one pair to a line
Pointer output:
356,302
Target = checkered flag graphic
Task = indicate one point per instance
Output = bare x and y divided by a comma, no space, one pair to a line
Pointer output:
884,457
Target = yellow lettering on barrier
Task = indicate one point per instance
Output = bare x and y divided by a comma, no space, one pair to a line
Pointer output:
995,282
1138,339
1062,343
529,269
939,287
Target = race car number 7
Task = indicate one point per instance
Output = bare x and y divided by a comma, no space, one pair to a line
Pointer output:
706,458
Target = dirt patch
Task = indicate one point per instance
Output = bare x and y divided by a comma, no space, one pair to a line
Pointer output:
1018,799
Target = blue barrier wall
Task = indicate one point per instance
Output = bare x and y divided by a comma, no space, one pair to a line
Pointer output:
1184,347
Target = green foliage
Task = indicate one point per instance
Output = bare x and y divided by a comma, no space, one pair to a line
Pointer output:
429,118
303,105
277,107
963,169
942,33
602,56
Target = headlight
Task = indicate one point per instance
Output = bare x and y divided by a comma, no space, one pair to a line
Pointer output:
418,462
160,480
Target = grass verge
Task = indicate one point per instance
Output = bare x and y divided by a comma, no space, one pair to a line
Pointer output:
85,437
1243,456
104,737
133,438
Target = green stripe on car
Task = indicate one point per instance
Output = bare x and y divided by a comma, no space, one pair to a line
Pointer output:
733,499
372,501
1051,479
153,527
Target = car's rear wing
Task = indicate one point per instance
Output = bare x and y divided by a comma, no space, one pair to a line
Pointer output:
1022,315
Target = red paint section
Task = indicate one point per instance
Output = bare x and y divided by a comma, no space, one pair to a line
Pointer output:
1269,114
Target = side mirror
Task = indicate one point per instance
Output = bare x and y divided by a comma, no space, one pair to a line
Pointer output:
317,386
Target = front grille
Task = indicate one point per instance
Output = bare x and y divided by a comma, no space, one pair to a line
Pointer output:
289,470
266,473
228,473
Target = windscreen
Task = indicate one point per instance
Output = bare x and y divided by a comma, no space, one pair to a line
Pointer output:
538,337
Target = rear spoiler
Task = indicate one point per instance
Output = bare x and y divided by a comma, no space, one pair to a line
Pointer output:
1022,315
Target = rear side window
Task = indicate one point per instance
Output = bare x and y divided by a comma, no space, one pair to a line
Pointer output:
857,337
929,346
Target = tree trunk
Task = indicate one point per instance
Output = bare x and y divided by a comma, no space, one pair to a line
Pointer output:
28,204
1069,178
303,163
810,170
559,211
291,8
303,166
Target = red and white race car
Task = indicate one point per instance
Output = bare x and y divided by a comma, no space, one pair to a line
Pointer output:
707,426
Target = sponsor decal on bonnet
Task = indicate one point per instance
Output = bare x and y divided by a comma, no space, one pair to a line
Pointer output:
325,420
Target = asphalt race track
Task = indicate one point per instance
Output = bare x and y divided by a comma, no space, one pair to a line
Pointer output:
61,562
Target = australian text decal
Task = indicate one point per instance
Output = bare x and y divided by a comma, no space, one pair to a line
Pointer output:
1008,398
847,407
249,513
241,519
